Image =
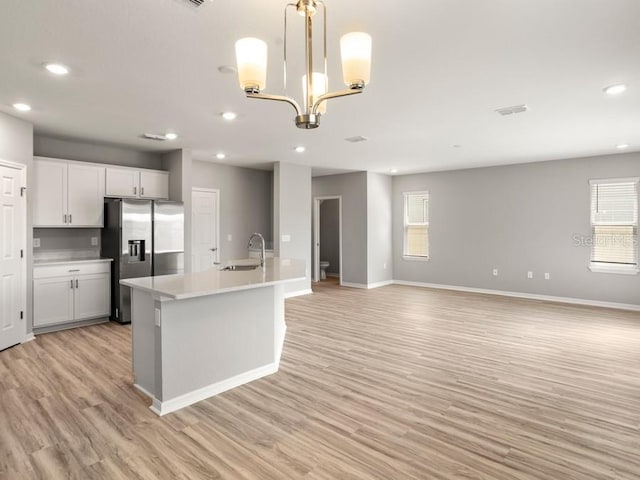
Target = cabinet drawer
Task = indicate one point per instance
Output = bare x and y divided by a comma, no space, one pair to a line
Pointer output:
48,271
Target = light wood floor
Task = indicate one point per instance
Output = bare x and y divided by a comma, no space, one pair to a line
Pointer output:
392,383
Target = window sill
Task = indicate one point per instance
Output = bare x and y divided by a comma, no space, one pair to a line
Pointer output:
415,259
617,269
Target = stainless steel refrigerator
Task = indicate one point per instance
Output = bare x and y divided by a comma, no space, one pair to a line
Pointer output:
144,238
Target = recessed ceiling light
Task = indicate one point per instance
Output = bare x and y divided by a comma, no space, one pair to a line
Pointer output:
300,149
57,68
23,107
615,89
227,69
171,136
622,146
394,170
229,115
220,156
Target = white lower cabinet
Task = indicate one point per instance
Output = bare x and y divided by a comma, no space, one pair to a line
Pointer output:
64,293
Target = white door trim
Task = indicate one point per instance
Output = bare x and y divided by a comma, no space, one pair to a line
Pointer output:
316,234
27,255
217,192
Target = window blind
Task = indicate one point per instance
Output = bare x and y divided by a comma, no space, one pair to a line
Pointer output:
416,224
614,221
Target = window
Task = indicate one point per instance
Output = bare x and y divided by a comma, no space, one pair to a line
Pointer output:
614,225
416,225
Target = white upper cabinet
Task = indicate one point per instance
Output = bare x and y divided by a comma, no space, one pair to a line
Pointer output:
67,194
132,183
50,193
154,184
86,195
123,183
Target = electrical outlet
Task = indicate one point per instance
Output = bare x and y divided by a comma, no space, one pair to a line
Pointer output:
547,276
495,272
36,243
94,241
529,274
229,238
286,238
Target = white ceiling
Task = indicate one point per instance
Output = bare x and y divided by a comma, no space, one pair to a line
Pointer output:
440,69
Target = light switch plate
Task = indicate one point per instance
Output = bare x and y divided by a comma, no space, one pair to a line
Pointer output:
529,274
229,238
36,243
286,238
94,241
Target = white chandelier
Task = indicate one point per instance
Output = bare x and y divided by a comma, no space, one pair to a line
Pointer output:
251,56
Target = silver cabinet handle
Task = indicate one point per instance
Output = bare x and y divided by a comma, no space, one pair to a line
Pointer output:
213,249
70,220
76,283
135,190
64,218
75,270
71,284
141,190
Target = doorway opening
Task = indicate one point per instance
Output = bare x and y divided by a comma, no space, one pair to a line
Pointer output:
205,228
327,238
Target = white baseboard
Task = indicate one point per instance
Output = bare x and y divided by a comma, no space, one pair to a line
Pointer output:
527,296
334,275
142,390
298,293
164,407
29,337
381,284
367,285
353,285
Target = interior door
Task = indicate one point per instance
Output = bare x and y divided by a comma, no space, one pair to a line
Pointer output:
12,241
205,235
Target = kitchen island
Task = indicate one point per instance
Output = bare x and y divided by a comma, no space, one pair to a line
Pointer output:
197,335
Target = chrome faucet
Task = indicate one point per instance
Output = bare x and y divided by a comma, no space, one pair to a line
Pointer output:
262,250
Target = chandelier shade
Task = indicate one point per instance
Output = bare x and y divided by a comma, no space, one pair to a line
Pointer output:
251,56
355,49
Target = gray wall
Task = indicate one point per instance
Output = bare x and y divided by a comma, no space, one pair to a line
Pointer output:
353,189
179,164
245,204
16,145
514,218
96,153
66,243
379,231
330,234
292,217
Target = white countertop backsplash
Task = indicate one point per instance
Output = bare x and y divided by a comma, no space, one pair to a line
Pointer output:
58,255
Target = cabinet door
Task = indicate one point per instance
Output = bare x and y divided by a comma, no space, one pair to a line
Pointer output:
86,196
122,182
49,193
92,296
154,184
52,300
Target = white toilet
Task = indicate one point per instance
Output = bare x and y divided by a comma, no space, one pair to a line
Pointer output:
323,269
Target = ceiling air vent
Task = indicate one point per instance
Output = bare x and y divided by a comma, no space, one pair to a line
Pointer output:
512,110
153,136
195,3
356,139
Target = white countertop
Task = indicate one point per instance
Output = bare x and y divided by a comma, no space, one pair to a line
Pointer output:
43,263
215,281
